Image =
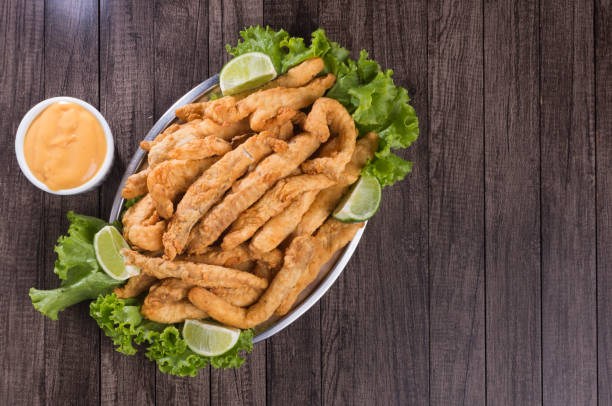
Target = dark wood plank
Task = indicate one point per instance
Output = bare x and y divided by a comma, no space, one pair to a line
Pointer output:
126,100
293,356
603,103
181,62
71,69
22,342
569,337
374,321
247,385
512,166
226,19
456,217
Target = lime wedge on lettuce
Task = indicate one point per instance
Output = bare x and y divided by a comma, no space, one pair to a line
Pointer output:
246,72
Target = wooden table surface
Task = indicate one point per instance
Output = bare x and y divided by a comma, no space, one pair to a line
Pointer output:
486,276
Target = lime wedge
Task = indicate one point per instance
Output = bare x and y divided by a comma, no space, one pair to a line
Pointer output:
209,339
246,72
361,202
108,243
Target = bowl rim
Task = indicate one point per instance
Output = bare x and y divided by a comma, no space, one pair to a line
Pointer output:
310,296
24,125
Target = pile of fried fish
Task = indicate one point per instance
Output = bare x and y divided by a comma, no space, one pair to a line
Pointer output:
235,219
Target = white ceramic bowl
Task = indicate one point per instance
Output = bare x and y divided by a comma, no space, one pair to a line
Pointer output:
23,128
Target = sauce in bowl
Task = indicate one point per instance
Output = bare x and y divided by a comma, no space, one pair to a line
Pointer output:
64,146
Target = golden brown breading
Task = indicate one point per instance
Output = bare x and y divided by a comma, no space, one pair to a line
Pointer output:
142,226
136,185
283,224
271,204
166,303
329,114
327,199
210,187
250,189
135,286
171,178
331,237
197,274
298,255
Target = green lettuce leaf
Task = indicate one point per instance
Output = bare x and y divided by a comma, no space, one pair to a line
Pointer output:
120,320
363,88
265,40
76,248
77,267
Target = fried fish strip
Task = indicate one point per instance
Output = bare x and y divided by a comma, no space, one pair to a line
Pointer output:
299,253
331,237
142,226
329,114
171,178
201,148
205,275
299,75
240,297
193,130
283,224
327,199
135,286
210,187
136,185
271,204
146,144
166,303
250,189
264,105
222,257
295,77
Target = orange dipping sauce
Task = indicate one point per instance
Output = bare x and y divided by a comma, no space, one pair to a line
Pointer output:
64,146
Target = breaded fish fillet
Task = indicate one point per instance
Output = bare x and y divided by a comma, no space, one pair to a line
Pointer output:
283,224
166,303
296,260
329,114
250,189
135,286
201,148
271,204
295,77
193,130
142,226
327,199
136,185
264,105
197,274
171,178
331,237
211,186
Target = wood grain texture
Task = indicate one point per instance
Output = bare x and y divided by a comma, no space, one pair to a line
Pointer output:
126,100
226,19
397,43
456,243
181,62
357,342
603,130
72,351
286,382
22,341
569,338
512,166
456,226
